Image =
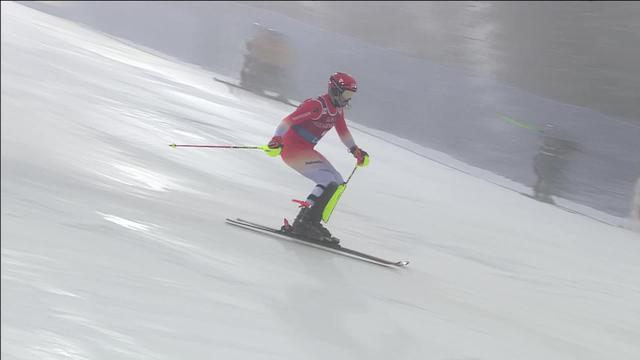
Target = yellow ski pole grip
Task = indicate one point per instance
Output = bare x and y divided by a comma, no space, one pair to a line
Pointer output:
271,152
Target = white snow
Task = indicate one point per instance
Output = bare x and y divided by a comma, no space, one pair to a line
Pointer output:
114,244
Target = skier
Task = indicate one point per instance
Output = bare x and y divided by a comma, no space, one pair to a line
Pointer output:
296,137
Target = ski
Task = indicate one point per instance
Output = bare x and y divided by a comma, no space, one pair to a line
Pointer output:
337,249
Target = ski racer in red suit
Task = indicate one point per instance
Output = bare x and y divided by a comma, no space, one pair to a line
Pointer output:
298,134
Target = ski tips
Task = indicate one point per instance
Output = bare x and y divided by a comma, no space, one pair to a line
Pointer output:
173,145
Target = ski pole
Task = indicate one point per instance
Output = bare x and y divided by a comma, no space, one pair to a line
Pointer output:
217,146
521,124
269,151
352,172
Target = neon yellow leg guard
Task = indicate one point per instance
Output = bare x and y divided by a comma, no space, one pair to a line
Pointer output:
328,210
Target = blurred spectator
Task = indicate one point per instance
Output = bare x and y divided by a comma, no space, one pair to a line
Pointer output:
550,162
267,63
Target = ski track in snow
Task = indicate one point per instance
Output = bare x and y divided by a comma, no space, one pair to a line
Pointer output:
114,245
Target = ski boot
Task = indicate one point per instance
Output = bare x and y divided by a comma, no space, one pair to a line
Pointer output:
303,226
307,223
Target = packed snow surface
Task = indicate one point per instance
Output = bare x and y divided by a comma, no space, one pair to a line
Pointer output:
114,245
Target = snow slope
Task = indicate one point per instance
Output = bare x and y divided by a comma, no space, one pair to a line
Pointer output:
114,245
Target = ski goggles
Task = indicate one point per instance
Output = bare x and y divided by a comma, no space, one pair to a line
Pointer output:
346,95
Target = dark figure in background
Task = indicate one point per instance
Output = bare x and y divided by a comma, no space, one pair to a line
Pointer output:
267,63
549,162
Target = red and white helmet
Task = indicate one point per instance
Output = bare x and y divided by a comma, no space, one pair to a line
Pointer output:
341,88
